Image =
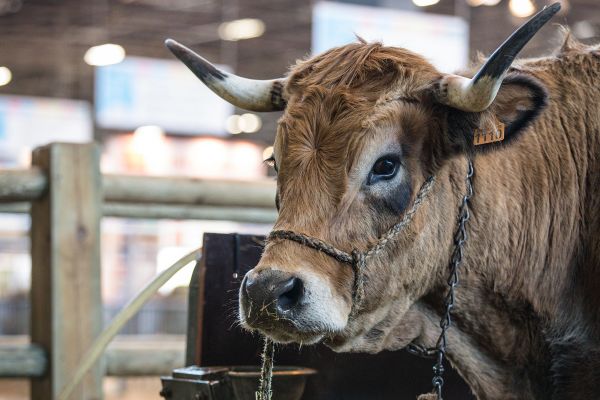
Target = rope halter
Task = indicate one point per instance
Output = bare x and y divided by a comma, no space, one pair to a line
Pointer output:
358,259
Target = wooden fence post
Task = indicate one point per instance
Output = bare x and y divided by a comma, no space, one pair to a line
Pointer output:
66,303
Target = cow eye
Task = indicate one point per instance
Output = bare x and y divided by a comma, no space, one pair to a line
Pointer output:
271,163
384,169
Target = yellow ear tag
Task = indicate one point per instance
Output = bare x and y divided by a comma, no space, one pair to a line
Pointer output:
485,136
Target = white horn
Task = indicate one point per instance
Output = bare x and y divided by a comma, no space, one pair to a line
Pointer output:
476,94
249,94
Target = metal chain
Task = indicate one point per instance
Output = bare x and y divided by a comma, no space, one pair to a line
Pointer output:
460,238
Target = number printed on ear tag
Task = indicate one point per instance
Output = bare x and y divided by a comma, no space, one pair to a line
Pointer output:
485,136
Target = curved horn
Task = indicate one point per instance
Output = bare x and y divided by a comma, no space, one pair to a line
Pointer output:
249,94
478,93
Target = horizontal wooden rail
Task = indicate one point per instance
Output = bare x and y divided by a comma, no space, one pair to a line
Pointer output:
27,185
189,191
15,208
22,361
21,185
176,211
132,357
170,211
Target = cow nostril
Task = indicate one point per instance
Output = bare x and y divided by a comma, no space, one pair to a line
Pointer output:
290,295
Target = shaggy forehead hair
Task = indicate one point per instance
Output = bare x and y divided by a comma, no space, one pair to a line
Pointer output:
334,100
365,67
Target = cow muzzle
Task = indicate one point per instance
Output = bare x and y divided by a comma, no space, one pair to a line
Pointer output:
277,291
290,307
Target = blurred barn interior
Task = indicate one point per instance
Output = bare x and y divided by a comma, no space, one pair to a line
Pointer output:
83,70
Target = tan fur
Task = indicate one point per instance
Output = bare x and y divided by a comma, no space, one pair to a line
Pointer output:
530,280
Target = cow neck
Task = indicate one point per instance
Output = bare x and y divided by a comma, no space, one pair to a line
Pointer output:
358,260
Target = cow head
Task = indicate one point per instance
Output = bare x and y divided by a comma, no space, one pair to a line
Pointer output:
363,126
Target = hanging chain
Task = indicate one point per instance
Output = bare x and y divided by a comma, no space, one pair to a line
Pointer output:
460,237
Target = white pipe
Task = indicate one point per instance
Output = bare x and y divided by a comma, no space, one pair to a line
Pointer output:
102,341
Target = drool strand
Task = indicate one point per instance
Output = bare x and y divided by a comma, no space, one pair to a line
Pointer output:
266,373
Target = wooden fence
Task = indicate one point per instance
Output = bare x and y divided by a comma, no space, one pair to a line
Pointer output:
66,196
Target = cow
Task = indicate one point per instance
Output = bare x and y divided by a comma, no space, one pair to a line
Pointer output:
363,126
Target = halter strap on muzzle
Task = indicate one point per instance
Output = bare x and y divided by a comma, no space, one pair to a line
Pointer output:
357,259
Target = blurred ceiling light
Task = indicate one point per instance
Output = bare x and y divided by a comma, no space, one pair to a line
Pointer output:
243,123
491,2
149,150
249,122
147,136
104,54
244,160
521,8
425,3
240,29
208,157
267,152
584,30
233,124
5,76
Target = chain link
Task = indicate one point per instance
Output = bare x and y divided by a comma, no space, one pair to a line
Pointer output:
460,237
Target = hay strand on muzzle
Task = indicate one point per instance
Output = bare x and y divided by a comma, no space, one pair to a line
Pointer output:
266,373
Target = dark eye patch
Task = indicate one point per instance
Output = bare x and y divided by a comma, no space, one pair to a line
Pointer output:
394,202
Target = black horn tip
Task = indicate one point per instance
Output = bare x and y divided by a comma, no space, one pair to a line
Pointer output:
502,58
198,65
176,48
554,7
545,14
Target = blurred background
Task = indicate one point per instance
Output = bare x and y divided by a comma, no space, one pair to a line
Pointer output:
83,70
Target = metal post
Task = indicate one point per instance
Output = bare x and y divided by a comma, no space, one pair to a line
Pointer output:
66,301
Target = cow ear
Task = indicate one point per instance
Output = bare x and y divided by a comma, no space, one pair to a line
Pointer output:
518,103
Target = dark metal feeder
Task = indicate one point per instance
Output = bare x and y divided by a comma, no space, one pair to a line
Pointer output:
197,383
288,382
232,383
